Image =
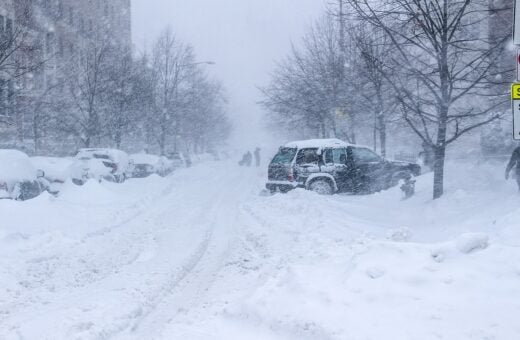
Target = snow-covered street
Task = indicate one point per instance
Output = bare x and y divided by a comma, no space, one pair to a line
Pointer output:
202,255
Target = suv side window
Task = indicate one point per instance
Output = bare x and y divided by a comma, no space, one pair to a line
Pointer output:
328,156
308,156
339,156
363,155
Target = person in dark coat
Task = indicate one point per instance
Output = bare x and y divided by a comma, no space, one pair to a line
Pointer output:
514,162
249,158
243,161
257,157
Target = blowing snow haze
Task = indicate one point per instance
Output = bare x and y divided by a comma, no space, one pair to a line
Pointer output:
244,38
259,170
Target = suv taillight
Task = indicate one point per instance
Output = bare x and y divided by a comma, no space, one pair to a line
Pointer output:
290,176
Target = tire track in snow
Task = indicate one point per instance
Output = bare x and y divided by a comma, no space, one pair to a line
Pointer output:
123,247
38,276
186,289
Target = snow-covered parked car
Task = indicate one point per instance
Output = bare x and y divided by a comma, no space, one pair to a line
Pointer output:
145,165
56,170
19,178
178,160
327,166
100,164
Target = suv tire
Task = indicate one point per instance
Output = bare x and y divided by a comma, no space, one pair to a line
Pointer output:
321,187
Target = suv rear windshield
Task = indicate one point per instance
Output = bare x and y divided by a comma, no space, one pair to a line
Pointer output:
284,156
101,156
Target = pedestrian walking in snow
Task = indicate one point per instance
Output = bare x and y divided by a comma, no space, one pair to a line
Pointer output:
514,162
243,161
249,158
257,157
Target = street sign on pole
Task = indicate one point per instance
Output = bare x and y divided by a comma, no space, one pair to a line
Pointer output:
518,65
515,99
516,27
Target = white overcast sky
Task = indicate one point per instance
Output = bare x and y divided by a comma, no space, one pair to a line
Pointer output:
244,38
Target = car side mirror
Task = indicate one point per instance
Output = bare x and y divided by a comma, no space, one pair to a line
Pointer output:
40,173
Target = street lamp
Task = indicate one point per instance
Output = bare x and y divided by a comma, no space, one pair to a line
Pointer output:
199,63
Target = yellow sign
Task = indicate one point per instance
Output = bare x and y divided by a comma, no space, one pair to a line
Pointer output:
515,91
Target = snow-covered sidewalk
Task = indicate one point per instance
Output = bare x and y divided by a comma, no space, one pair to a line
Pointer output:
201,255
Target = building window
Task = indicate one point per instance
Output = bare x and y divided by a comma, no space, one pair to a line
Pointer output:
71,16
50,43
60,9
6,97
60,48
9,27
3,98
10,97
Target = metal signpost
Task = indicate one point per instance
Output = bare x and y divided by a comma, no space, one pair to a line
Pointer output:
515,98
516,28
515,88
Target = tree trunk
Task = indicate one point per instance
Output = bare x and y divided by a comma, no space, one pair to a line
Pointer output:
36,134
438,171
374,132
162,145
382,133
118,139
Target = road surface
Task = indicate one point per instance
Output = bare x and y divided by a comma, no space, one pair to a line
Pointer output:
203,255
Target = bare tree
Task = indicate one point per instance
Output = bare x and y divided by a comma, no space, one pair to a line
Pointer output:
173,65
124,95
20,56
443,60
377,94
308,88
87,74
205,124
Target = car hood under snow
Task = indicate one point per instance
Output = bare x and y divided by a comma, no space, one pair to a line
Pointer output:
15,166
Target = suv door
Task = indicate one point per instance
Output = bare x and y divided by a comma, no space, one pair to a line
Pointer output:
368,169
307,162
341,170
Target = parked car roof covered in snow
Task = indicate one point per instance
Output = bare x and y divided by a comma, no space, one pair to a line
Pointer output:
317,143
144,158
55,168
16,166
115,155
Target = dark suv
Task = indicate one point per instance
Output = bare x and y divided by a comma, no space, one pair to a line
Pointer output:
331,165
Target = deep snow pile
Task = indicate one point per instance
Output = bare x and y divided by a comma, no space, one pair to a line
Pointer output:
193,256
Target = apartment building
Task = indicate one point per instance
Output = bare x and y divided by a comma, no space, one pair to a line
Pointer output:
500,24
55,33
7,15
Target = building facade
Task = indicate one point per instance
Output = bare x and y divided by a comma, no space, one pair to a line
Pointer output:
55,35
501,14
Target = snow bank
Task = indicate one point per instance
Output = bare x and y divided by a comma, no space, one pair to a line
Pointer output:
468,243
193,256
